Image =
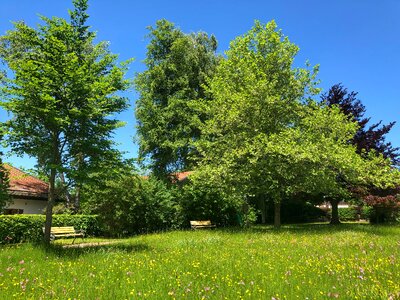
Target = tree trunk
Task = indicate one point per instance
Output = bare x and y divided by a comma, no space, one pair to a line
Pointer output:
335,211
52,188
77,199
277,215
50,204
65,188
263,211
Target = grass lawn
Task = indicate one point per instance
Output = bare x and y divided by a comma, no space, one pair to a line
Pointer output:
352,261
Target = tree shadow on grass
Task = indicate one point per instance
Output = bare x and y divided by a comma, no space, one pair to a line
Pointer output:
323,229
75,252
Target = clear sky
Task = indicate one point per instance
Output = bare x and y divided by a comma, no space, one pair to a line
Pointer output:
355,42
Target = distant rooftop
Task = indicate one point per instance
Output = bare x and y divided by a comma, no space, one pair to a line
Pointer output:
23,184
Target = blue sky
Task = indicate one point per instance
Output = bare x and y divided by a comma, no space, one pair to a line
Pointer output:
355,42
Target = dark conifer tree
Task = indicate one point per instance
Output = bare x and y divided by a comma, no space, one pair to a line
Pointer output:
367,138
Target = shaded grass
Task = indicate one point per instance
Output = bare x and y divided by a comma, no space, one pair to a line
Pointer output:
85,240
313,261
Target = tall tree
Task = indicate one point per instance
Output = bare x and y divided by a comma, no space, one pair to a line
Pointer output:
62,96
264,136
178,65
257,94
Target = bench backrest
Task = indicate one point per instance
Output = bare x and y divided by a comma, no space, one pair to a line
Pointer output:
200,223
61,230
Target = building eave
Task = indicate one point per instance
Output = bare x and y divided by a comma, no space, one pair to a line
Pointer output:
27,195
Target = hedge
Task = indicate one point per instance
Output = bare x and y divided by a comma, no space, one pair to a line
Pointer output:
352,213
29,228
348,214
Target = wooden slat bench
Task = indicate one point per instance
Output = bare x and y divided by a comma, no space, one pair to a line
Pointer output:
67,231
201,224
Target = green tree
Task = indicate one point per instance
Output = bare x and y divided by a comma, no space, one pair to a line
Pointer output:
264,136
178,65
62,96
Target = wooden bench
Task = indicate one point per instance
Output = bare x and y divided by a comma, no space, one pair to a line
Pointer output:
67,231
201,224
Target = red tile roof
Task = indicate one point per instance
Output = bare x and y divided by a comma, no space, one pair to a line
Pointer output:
21,183
174,177
182,175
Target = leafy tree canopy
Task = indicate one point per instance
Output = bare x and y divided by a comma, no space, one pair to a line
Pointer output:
178,65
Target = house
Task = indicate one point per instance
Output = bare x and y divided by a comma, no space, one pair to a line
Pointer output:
28,193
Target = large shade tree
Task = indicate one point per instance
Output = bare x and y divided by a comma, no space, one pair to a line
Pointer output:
62,96
178,65
264,136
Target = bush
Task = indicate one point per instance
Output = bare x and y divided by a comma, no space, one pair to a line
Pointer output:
157,207
353,213
349,214
202,199
385,206
129,204
379,215
89,223
366,212
22,228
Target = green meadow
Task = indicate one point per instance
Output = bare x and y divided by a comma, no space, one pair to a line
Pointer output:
351,261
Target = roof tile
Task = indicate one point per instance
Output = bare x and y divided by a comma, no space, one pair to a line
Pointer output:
20,181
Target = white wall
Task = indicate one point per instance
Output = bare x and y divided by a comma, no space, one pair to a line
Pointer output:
29,206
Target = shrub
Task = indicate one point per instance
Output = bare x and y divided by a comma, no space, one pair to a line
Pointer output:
160,207
89,223
385,208
365,212
353,213
202,199
381,214
349,214
128,204
21,228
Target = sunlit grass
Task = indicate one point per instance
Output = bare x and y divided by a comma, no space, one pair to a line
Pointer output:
308,261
